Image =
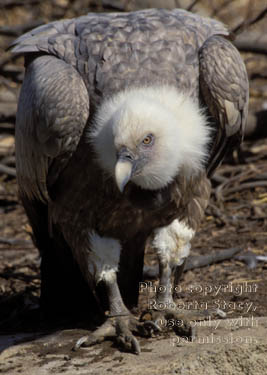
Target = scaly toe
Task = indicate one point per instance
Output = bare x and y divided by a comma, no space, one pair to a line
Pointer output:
129,343
106,330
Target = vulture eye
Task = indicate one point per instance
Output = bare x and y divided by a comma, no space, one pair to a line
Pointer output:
148,139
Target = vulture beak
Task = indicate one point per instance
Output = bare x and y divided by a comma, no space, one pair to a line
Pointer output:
124,168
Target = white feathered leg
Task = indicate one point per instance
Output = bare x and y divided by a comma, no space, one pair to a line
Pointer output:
172,245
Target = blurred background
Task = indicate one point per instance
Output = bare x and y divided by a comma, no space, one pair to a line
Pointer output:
237,215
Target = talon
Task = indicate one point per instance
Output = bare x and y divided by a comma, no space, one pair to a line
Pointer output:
80,343
129,343
220,313
135,346
193,333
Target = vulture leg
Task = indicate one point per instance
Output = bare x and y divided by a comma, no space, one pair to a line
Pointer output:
172,244
120,324
166,293
177,275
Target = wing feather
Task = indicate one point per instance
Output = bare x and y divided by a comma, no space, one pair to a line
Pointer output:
224,87
52,112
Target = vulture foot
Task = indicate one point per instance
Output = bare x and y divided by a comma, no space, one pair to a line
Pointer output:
182,322
120,328
177,320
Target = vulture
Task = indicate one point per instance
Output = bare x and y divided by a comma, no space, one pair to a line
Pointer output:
122,119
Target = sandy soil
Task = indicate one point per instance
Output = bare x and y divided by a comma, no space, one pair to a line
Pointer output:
227,347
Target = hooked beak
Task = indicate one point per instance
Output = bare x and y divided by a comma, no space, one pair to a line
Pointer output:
124,168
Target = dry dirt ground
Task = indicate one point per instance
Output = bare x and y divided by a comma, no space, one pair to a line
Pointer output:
51,355
236,218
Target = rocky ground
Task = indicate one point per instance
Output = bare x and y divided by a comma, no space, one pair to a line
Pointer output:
236,218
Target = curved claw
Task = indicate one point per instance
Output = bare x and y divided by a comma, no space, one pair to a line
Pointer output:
135,346
86,341
125,337
129,343
193,333
80,343
220,313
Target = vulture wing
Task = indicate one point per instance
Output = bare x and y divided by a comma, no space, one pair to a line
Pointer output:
224,87
52,112
53,107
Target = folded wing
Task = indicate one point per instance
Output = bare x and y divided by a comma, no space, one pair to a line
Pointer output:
224,87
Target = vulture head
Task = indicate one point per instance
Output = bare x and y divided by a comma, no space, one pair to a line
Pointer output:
150,135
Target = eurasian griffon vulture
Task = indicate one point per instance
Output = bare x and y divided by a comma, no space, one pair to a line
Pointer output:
121,119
